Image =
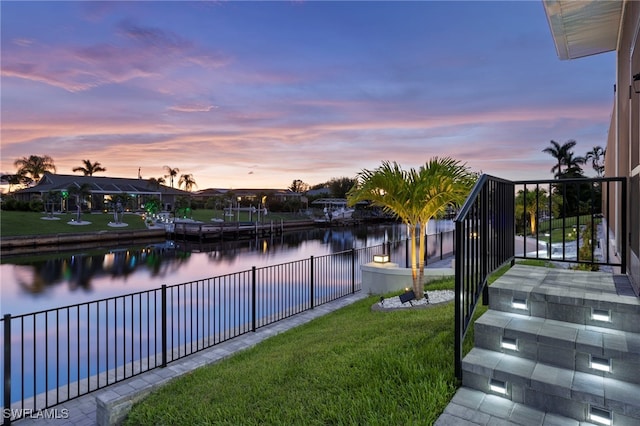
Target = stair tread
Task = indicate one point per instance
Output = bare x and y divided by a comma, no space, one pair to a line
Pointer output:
581,336
474,407
596,289
557,381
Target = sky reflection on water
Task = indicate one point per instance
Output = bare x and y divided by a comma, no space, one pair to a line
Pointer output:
36,283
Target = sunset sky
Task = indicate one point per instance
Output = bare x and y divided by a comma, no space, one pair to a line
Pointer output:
257,94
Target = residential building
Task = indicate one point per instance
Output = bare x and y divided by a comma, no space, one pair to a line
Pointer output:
584,28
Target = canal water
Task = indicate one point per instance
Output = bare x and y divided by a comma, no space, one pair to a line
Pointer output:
38,282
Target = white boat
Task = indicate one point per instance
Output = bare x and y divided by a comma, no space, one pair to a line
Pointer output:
334,210
340,213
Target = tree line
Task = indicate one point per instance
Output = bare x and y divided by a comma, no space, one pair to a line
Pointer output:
31,169
532,205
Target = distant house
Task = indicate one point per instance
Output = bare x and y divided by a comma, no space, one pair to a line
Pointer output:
101,191
319,192
248,196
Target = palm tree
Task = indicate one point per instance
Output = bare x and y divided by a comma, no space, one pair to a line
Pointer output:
572,164
34,166
155,183
531,202
171,173
89,168
188,181
559,152
415,197
80,192
15,179
596,156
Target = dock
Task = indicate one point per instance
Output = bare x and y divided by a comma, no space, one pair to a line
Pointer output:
200,231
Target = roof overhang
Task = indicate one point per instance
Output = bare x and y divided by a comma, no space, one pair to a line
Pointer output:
584,27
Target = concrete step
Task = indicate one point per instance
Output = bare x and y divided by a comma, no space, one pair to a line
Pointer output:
579,297
559,344
472,407
543,387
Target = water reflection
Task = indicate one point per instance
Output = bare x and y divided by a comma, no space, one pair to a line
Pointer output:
63,279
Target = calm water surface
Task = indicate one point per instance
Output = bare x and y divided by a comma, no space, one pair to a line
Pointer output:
34,283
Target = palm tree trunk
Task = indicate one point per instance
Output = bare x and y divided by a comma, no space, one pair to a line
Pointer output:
418,287
414,266
532,219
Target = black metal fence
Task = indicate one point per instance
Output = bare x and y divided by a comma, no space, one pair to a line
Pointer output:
485,234
56,355
558,220
563,220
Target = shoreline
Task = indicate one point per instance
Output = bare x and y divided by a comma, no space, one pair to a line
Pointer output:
52,243
30,244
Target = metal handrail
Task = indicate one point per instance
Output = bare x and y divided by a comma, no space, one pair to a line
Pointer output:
484,241
486,231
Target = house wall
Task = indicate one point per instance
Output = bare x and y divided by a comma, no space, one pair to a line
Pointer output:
623,150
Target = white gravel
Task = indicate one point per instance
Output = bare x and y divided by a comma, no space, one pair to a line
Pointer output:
435,296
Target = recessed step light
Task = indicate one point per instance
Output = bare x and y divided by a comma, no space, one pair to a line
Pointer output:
519,303
601,315
498,386
600,416
507,343
601,364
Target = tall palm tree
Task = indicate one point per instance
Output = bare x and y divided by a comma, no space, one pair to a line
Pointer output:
89,168
559,152
188,181
596,156
171,173
415,197
572,166
34,166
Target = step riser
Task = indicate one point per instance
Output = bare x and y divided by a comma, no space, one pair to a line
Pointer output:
552,399
563,354
577,311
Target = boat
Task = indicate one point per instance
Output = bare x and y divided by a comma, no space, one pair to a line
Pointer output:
334,210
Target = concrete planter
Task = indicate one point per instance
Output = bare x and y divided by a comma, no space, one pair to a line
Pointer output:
383,278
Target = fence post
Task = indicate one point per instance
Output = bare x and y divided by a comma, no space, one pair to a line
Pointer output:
484,235
459,300
406,252
312,296
441,238
163,307
7,367
353,270
253,298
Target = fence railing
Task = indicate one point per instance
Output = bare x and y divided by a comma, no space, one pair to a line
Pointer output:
562,220
484,241
56,355
555,220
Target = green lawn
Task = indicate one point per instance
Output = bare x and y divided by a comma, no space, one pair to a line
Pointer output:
352,366
14,223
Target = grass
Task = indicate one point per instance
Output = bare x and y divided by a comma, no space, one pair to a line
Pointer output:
352,366
569,223
15,223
